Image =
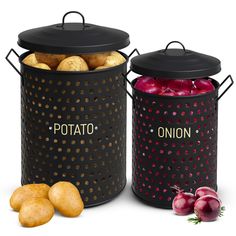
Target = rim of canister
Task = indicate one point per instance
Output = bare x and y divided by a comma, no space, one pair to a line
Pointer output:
73,38
175,63
215,83
55,72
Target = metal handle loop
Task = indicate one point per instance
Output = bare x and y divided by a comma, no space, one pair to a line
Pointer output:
231,83
175,42
64,17
135,50
126,79
123,87
7,58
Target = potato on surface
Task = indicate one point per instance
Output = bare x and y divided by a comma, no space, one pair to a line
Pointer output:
30,60
26,192
52,60
66,198
42,66
73,63
35,212
96,59
114,59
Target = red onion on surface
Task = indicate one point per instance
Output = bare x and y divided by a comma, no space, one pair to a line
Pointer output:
183,203
202,191
207,208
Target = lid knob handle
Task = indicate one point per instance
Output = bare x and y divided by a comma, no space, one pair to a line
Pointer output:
64,17
174,42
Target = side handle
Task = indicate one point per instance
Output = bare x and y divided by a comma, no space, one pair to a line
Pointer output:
7,58
126,79
229,77
129,56
124,88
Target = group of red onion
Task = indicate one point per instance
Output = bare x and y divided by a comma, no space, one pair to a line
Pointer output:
174,87
205,203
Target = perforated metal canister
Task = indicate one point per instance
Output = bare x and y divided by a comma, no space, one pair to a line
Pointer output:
174,137
174,143
73,124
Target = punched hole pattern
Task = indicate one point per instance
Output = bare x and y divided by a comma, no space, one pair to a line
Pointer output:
159,163
95,163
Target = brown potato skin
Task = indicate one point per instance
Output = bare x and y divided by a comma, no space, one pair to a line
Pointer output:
95,60
101,67
66,198
30,60
73,63
114,59
42,66
35,212
52,60
26,192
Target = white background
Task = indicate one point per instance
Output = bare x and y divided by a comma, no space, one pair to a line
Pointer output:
205,26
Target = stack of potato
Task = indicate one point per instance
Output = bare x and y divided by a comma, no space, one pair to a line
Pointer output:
85,62
36,202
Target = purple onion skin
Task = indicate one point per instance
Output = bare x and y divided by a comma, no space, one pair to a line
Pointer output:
204,84
207,208
183,203
202,191
147,84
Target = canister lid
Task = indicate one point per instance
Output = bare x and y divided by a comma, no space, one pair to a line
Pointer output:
71,38
175,63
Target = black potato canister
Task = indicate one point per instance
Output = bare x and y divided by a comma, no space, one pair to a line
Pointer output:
73,123
174,137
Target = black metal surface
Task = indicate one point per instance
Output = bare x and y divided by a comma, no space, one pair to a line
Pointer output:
94,162
73,38
175,63
189,161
